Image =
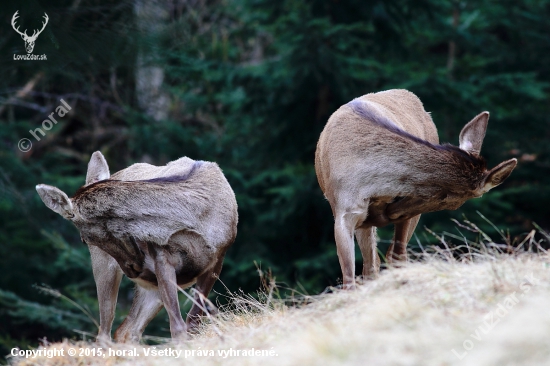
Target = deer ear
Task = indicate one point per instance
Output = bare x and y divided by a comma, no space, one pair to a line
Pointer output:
97,169
498,174
472,135
56,200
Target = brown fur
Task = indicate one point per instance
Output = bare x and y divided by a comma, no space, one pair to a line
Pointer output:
164,227
378,162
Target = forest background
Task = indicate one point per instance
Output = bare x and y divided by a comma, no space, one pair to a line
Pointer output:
248,84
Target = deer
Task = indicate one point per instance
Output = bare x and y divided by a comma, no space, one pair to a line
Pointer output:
164,227
29,40
378,161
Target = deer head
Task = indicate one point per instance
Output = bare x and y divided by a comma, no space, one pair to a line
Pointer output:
29,40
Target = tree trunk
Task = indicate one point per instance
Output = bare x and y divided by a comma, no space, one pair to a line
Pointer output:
151,17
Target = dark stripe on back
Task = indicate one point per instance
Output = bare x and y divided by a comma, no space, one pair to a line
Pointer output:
170,179
176,178
364,110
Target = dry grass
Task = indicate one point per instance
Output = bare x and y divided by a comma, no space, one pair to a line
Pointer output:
413,315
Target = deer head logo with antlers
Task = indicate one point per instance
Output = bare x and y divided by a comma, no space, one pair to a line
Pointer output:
29,40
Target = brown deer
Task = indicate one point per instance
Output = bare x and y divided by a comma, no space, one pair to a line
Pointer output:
165,227
378,162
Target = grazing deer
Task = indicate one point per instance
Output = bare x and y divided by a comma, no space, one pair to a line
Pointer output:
378,162
163,227
29,40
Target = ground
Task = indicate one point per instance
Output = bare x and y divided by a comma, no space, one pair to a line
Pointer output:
484,309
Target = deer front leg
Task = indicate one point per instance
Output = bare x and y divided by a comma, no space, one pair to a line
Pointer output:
145,306
402,234
168,289
205,282
412,225
107,276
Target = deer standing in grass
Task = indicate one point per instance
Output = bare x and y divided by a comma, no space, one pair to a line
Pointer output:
378,162
165,227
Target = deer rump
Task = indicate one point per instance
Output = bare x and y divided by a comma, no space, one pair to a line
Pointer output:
131,216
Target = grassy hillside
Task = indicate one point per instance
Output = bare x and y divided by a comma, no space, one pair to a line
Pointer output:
487,309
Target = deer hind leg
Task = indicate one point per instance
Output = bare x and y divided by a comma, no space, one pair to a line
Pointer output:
146,305
168,289
402,234
107,276
366,239
344,227
204,285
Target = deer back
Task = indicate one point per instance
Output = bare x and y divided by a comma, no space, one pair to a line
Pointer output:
152,203
143,171
385,145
